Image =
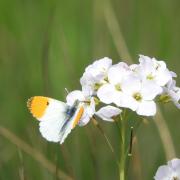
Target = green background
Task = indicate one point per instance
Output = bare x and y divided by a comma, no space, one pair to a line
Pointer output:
45,46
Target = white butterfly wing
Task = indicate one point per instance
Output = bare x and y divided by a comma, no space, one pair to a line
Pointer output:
53,120
71,123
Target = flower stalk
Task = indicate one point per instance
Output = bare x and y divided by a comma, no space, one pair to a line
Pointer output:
122,162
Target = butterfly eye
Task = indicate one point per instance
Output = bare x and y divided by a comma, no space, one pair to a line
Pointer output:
47,103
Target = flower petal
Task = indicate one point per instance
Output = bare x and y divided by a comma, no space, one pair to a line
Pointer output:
146,108
129,102
159,65
96,72
90,109
87,90
174,164
150,90
174,92
163,77
108,112
103,63
73,96
163,173
146,65
117,72
131,84
106,93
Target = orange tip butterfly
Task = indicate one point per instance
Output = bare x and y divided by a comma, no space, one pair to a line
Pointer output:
56,118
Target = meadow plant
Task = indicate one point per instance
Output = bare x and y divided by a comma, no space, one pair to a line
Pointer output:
109,91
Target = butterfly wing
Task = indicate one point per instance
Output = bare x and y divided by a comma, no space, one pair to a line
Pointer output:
71,123
55,124
52,116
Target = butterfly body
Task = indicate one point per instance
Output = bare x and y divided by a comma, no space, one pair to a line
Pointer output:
57,119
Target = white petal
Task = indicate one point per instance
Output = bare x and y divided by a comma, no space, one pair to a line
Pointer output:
96,72
133,67
173,74
171,84
118,98
174,164
131,84
84,80
146,64
163,173
175,94
108,112
90,109
163,77
106,93
73,96
117,72
129,102
146,108
159,65
103,63
87,90
150,90
114,75
96,75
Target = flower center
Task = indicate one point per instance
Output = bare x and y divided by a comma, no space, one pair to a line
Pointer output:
96,100
137,96
97,86
165,98
106,79
118,87
150,77
175,178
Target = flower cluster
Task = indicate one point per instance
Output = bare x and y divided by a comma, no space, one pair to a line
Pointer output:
169,171
137,87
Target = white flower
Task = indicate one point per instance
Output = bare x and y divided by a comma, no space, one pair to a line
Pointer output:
108,112
111,92
152,70
139,96
126,89
173,92
171,171
96,73
89,107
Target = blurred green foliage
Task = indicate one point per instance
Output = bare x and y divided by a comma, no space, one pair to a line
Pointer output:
45,46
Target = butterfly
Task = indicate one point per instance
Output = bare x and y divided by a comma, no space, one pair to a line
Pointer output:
56,118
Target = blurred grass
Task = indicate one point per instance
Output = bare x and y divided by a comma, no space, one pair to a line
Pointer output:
45,46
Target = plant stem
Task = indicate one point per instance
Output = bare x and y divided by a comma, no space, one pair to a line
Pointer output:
122,150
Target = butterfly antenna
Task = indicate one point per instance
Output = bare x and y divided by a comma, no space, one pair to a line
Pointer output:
66,90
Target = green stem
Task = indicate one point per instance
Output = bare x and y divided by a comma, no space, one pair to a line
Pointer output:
122,162
122,150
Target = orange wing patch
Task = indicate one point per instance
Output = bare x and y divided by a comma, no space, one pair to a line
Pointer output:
37,105
78,116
